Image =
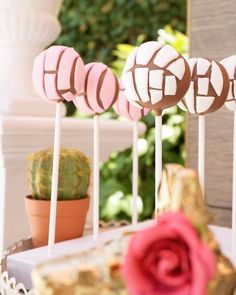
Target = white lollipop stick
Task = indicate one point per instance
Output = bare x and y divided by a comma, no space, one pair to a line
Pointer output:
55,172
234,196
201,152
96,174
135,175
158,157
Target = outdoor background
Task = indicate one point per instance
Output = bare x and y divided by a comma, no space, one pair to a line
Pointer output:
106,31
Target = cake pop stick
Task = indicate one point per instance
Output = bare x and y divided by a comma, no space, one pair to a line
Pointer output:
58,74
230,65
206,94
101,92
156,76
134,113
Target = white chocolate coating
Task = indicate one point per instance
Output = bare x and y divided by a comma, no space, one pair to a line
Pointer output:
208,88
155,76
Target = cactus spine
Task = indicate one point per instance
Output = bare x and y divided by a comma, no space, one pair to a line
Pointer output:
74,174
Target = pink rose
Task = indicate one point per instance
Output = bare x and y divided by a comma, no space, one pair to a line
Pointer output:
168,258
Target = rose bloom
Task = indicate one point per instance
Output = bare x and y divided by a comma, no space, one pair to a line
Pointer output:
168,259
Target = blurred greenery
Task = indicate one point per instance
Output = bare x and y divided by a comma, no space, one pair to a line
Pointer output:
107,31
94,28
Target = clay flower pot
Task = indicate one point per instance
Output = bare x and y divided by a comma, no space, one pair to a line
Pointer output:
71,217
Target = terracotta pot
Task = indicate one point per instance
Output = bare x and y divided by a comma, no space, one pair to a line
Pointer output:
71,217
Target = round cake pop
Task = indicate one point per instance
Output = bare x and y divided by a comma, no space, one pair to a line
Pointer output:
58,73
155,76
101,89
124,108
230,65
208,88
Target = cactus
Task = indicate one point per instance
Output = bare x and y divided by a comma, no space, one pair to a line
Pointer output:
74,174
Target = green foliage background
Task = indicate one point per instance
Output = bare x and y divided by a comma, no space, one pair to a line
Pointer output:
106,31
94,28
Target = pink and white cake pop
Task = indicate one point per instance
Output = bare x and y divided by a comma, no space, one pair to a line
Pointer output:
155,76
230,65
101,89
125,109
208,88
58,73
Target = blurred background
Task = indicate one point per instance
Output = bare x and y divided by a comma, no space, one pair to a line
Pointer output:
107,31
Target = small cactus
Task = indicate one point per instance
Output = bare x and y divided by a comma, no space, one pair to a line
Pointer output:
74,174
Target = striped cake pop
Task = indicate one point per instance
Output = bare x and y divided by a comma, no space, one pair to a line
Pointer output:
230,65
155,76
208,88
126,109
101,89
58,73
100,93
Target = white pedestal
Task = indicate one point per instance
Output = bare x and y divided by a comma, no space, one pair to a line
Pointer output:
20,136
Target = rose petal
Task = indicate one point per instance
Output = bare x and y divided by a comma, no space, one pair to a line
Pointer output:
169,259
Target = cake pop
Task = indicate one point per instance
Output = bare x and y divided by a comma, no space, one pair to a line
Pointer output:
124,108
156,76
58,74
207,93
208,88
101,90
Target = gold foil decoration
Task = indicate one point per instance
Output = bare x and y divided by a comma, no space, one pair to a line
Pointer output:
180,191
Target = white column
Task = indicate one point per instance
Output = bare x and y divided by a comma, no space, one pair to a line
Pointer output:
26,28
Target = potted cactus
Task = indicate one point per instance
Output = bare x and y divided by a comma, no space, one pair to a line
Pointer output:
73,201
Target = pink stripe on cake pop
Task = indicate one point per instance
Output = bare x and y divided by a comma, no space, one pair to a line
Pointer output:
52,57
95,80
108,89
100,90
82,105
68,96
123,104
79,76
124,108
38,74
66,69
50,87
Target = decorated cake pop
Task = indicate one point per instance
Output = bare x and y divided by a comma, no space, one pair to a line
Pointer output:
101,89
58,73
229,64
208,88
207,93
155,76
124,108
